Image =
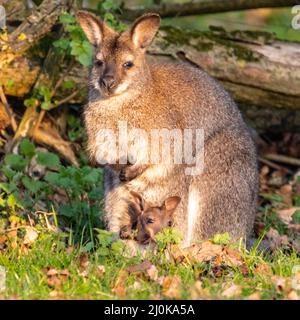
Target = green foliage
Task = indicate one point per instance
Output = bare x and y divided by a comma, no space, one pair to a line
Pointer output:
81,205
75,129
221,238
75,43
296,217
167,236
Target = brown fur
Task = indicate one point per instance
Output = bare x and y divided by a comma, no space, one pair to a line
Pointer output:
170,96
147,220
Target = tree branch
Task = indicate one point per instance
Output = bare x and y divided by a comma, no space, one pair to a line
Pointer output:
205,6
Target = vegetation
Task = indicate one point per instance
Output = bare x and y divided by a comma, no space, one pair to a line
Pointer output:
53,243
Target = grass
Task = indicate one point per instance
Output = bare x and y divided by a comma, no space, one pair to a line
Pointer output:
53,246
27,274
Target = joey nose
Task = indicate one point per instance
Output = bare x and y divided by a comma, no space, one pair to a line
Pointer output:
108,82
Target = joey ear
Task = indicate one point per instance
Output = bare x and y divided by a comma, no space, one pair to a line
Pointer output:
171,204
144,30
93,27
138,200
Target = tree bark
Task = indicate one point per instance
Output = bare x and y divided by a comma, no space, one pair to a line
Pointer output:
172,9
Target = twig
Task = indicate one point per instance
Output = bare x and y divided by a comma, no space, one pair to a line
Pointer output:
283,159
67,99
8,110
273,165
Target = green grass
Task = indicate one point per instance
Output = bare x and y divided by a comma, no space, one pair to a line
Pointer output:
67,230
27,278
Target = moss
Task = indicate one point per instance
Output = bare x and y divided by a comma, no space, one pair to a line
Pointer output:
205,41
175,35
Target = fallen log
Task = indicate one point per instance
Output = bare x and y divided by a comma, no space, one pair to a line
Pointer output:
260,72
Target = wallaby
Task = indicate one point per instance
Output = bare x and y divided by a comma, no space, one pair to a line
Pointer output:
148,220
124,86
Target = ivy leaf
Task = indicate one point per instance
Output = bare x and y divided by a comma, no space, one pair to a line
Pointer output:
48,159
27,148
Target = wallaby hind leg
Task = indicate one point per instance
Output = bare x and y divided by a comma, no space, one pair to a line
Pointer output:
224,195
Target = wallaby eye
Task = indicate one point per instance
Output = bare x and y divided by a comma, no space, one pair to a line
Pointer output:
99,63
128,65
149,221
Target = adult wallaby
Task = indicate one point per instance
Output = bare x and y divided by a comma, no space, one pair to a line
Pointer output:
123,86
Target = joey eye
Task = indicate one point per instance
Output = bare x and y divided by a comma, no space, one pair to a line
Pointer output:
99,63
149,221
170,224
128,65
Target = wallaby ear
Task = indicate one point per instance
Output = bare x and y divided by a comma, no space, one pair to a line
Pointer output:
95,29
138,200
144,30
171,204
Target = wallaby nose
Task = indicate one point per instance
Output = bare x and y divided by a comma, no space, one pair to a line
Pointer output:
108,82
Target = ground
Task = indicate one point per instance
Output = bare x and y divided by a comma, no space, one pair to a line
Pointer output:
54,246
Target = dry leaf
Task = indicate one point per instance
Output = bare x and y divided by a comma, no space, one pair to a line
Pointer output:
30,236
152,273
276,240
286,193
100,270
254,296
233,291
263,269
84,265
145,265
56,278
171,287
198,292
292,295
119,287
280,283
286,214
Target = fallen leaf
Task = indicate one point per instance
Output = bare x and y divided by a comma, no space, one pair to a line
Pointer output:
145,265
198,292
171,287
56,278
286,214
84,265
263,269
280,283
254,296
276,240
232,291
119,286
292,295
100,270
30,236
286,192
152,273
